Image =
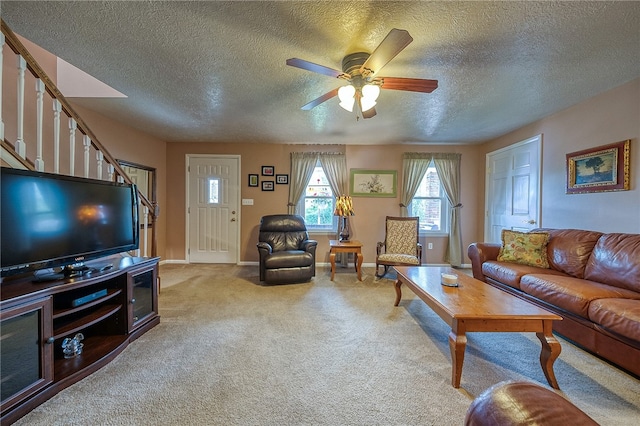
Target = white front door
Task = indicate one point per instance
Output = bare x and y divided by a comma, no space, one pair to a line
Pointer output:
213,212
513,188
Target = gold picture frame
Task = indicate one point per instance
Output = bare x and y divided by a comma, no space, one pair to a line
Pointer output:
601,169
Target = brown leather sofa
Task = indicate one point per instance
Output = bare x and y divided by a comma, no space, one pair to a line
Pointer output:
287,255
521,403
593,282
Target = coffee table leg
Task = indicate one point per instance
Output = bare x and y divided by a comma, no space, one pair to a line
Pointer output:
457,345
332,259
398,292
550,351
359,265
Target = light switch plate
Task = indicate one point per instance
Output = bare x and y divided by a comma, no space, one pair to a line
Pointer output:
247,201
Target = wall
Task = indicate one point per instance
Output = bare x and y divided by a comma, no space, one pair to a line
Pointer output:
368,224
610,117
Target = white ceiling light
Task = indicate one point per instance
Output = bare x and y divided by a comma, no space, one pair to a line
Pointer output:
346,94
370,93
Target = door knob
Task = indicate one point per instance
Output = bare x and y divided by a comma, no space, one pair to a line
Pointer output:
233,212
530,222
233,219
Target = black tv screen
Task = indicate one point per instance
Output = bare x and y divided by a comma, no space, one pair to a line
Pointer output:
50,220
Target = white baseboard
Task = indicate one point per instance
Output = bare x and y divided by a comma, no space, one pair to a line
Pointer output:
324,264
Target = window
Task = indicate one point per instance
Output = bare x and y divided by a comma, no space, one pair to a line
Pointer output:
317,203
214,190
430,204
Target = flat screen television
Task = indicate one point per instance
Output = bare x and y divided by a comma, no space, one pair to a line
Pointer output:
55,221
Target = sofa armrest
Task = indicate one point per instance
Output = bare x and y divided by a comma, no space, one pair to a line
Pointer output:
480,253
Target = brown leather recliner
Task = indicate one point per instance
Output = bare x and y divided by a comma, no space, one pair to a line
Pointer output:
287,255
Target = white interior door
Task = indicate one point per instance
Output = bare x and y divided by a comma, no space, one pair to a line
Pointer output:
213,213
513,188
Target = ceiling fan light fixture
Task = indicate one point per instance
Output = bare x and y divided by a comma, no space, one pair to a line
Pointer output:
367,103
371,91
346,94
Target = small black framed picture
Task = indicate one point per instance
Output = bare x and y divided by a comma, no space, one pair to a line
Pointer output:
282,179
267,171
267,185
253,180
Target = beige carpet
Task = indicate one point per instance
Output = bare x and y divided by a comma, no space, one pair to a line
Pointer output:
231,352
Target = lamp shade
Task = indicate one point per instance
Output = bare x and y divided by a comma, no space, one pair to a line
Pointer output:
344,206
346,94
370,93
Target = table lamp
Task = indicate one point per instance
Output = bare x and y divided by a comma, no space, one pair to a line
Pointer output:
344,208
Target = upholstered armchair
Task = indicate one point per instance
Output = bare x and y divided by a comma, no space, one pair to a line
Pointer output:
287,255
400,246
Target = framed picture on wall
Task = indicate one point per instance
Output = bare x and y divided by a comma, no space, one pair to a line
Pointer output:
267,171
282,179
267,185
373,183
253,180
600,169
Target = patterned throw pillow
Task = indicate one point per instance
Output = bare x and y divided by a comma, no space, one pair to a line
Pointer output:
526,248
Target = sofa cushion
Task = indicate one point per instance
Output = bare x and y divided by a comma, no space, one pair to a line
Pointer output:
571,294
621,316
526,248
568,250
510,273
616,261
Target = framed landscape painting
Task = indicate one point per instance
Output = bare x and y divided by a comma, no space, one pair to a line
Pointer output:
373,183
600,169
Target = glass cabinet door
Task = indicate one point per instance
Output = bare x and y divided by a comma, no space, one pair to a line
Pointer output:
143,297
26,351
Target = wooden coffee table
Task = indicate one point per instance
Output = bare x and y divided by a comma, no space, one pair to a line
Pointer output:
477,306
353,246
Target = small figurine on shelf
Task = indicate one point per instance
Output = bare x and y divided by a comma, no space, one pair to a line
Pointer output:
72,347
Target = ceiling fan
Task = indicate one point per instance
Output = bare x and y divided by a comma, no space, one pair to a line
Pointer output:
360,70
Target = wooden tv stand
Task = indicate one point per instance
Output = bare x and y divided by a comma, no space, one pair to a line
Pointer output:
111,306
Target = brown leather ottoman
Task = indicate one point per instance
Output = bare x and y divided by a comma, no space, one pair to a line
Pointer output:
523,403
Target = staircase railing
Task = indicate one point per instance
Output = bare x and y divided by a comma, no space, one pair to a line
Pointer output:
19,153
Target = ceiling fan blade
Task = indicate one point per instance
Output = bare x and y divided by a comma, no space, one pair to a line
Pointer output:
392,44
314,103
371,112
320,69
408,84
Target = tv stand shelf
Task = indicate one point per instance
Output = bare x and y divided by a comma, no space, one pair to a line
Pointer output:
85,321
111,309
58,313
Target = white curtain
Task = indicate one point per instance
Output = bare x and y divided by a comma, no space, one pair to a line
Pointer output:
302,165
414,166
448,168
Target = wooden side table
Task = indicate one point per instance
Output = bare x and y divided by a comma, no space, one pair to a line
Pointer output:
352,246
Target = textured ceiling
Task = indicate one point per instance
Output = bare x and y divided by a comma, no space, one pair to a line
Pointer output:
215,71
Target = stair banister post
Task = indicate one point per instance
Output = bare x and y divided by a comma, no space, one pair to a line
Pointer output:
39,162
57,108
73,126
1,65
86,141
100,159
110,171
145,210
21,147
